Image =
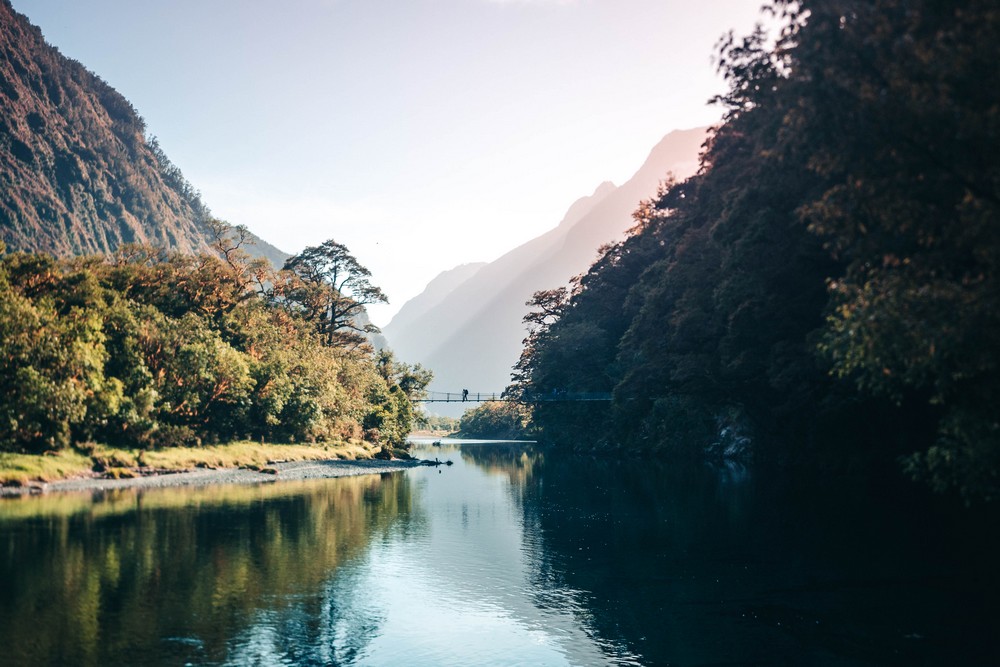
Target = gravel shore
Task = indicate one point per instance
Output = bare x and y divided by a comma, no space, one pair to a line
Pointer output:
290,470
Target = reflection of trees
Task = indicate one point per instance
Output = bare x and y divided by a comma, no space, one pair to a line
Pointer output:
515,461
664,561
607,534
108,585
332,627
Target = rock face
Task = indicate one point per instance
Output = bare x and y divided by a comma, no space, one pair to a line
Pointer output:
472,336
77,173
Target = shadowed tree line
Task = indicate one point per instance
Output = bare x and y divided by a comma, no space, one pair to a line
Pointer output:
827,285
151,348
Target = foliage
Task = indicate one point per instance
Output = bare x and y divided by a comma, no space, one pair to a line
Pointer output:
837,256
390,415
148,348
496,419
912,206
330,288
437,423
51,366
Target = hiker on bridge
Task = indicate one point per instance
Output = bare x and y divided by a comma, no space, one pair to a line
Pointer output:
465,395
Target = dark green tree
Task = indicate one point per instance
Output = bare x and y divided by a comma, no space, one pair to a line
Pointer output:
843,227
328,285
900,105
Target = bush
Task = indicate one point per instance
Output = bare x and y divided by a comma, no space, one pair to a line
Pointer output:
496,419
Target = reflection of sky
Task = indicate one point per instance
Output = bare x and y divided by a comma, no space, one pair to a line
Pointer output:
459,593
454,591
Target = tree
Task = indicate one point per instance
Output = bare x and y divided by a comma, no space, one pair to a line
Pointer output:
249,276
547,307
496,419
843,227
330,288
899,104
393,414
411,378
204,383
52,356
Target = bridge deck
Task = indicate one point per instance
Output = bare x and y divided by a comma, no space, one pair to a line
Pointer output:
480,397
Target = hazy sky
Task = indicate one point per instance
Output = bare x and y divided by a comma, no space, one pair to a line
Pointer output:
420,133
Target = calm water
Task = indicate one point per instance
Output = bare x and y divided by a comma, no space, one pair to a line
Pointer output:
512,556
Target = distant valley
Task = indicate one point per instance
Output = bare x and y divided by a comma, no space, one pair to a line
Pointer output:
466,326
81,175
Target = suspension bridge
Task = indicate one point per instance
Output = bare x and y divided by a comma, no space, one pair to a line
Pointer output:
480,397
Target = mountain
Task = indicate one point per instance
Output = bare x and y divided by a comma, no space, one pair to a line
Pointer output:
472,336
78,173
435,292
416,338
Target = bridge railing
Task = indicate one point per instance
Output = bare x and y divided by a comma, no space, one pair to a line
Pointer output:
540,397
461,397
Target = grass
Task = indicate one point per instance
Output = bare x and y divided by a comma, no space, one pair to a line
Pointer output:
21,469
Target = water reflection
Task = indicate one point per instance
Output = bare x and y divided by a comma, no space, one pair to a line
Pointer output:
514,555
460,593
720,566
174,575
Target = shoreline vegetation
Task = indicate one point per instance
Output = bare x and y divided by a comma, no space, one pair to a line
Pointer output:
496,420
103,467
825,292
171,361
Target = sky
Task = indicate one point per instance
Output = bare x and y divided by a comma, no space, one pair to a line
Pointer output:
421,134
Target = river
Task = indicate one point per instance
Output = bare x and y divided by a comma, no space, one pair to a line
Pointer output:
513,555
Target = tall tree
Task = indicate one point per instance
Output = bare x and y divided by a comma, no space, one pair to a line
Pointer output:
331,288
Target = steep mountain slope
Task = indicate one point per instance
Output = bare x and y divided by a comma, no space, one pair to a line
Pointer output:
417,339
436,291
472,337
77,174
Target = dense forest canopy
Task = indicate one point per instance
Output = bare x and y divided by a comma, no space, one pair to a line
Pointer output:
827,284
148,348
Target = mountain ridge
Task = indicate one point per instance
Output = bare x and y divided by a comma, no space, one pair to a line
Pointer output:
78,173
436,291
422,332
472,338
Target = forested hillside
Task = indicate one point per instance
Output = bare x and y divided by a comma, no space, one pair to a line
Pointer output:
826,288
78,173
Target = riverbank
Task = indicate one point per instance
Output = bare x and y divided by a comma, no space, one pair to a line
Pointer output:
434,433
100,467
285,471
